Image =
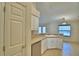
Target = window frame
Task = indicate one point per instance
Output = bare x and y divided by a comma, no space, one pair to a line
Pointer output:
42,30
65,30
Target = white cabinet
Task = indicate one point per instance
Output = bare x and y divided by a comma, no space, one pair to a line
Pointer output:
55,43
44,45
34,23
52,43
35,19
59,43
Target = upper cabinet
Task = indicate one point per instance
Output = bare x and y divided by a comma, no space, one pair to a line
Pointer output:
35,18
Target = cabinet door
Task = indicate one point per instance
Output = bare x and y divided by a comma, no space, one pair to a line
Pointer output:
1,28
35,18
52,43
35,22
59,43
44,45
14,29
36,49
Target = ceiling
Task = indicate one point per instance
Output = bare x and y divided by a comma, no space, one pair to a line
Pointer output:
51,11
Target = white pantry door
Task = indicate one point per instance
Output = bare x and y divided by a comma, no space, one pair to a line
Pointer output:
1,28
14,29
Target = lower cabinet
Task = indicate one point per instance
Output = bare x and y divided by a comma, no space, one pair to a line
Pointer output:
36,49
44,45
41,46
52,43
60,43
55,43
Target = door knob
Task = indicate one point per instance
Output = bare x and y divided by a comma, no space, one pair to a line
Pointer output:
23,46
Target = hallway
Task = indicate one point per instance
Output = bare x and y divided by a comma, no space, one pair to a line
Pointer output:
69,49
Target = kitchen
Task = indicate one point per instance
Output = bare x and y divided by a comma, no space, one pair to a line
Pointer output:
39,28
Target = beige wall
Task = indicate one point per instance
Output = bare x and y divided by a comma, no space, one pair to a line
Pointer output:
74,31
52,28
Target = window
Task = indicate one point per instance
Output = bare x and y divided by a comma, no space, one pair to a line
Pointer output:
65,30
39,30
42,30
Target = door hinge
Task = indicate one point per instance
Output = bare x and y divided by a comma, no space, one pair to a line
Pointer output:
3,48
4,8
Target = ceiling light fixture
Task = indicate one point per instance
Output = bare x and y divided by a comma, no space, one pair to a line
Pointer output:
64,21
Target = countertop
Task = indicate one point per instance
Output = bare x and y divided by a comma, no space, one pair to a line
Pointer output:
37,38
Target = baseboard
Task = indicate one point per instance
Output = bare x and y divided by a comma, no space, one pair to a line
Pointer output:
54,49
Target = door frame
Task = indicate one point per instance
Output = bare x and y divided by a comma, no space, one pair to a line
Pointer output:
2,27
